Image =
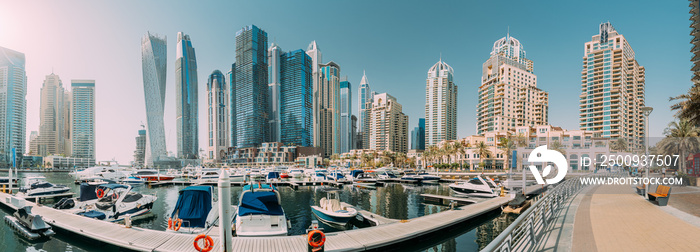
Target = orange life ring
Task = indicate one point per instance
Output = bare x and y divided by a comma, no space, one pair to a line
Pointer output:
115,196
320,242
208,243
177,224
100,193
170,223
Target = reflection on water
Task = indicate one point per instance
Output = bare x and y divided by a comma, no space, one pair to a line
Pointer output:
394,201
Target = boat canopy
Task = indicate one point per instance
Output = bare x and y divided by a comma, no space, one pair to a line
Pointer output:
356,173
260,202
257,186
113,186
272,175
193,206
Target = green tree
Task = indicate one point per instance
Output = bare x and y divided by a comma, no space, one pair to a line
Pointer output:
483,151
507,146
619,144
681,138
688,106
557,146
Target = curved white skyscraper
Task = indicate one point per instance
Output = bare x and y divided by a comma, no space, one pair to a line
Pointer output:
440,104
153,63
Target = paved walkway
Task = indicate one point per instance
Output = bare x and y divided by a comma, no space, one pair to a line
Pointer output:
615,218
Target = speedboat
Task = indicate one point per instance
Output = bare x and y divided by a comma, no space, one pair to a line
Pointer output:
427,178
134,180
112,203
211,175
386,175
330,211
296,173
195,211
476,187
38,186
272,177
360,177
152,175
260,212
336,176
110,171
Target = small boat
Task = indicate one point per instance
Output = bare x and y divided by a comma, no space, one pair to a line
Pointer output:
152,175
427,178
260,212
386,175
272,177
29,225
517,205
330,211
360,177
296,173
284,175
109,170
195,211
411,176
476,187
38,186
336,176
111,202
134,180
319,175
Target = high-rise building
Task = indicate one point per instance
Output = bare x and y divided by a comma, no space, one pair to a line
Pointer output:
329,108
296,99
388,128
52,125
153,63
217,116
140,152
315,54
345,114
612,89
83,119
232,135
252,106
364,96
695,41
67,143
355,140
187,108
13,103
508,95
274,71
33,143
418,136
440,104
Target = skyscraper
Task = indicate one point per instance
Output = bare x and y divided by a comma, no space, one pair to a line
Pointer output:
695,41
140,152
274,71
329,108
13,103
153,63
418,136
52,124
388,128
345,114
612,88
187,108
83,119
217,116
296,99
364,96
315,54
508,95
252,107
440,104
232,135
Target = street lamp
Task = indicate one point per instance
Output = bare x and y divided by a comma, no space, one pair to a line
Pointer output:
647,112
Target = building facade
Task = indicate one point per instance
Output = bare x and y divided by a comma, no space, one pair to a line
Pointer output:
296,99
231,79
154,68
418,136
251,87
612,89
13,103
695,41
274,71
329,108
52,139
217,116
508,95
440,104
364,96
140,151
345,128
315,54
186,90
388,124
82,119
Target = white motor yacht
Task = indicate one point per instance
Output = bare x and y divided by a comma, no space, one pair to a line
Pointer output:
476,187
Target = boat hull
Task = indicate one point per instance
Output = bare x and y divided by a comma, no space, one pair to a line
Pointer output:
472,192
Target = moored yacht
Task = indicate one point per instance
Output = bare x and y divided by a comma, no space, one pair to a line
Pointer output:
112,203
38,186
476,187
195,211
260,212
152,175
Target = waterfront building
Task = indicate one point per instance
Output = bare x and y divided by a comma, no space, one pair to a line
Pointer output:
315,54
67,163
695,40
51,123
388,124
186,90
82,126
329,108
251,87
13,103
231,80
140,152
418,136
440,104
364,96
268,153
345,116
153,63
612,89
33,143
508,95
296,99
217,116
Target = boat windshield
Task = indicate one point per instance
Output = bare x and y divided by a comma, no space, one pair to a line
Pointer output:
475,181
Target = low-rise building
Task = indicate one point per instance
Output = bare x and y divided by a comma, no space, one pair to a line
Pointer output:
60,162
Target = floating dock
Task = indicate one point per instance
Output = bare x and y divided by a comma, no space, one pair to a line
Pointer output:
446,200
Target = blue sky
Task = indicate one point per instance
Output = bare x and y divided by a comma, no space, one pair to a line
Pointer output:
396,42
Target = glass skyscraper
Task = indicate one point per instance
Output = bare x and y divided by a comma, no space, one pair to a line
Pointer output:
154,62
274,71
364,96
329,108
418,136
251,87
13,103
83,119
345,114
217,116
187,114
296,99
231,76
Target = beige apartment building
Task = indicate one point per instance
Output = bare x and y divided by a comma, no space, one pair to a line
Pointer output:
388,125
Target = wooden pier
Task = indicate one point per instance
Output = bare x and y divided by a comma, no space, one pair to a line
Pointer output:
446,200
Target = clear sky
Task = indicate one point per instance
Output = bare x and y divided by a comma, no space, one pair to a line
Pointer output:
396,42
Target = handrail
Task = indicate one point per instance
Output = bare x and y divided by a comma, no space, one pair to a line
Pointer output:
524,233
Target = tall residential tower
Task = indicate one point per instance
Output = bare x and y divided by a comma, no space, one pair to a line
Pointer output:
52,121
364,96
388,128
83,119
13,103
251,87
217,116
153,63
329,108
187,109
440,104
346,133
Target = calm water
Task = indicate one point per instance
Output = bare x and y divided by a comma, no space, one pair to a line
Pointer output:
395,201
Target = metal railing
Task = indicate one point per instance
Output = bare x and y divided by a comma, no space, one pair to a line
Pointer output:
525,232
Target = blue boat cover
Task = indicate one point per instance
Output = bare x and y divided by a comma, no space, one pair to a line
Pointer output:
193,204
271,175
260,202
355,173
255,186
87,192
113,186
94,214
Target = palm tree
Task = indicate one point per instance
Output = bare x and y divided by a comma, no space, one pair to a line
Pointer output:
619,145
447,150
482,150
681,138
366,158
557,146
459,149
688,106
507,145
